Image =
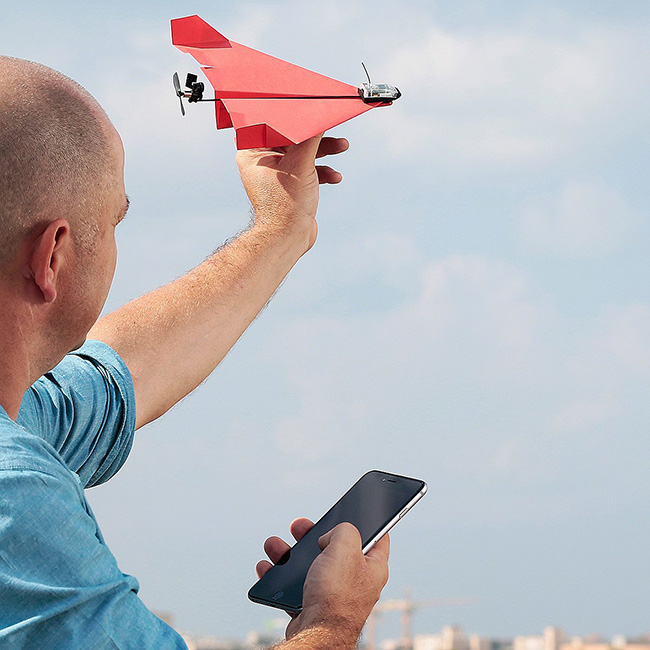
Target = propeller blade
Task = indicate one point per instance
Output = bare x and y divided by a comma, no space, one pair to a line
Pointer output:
179,92
177,85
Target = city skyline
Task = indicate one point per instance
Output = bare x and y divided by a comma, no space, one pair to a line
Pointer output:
450,637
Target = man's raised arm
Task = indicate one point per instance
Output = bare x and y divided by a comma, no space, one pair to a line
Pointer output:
172,338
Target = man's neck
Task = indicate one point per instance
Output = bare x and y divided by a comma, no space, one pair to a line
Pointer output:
10,400
13,385
16,359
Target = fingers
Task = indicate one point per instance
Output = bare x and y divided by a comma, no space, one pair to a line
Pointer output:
316,147
328,147
275,548
300,526
298,156
327,175
331,146
262,567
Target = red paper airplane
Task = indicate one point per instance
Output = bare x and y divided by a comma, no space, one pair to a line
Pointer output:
269,102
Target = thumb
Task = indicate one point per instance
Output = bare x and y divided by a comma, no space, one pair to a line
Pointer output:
344,534
305,151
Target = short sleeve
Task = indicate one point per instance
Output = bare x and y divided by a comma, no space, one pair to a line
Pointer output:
60,587
85,408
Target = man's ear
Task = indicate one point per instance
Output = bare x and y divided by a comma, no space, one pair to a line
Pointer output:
47,255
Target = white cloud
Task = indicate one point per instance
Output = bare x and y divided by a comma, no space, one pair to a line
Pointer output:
582,414
320,428
479,365
388,251
618,347
510,96
627,336
252,28
473,322
481,308
584,219
507,456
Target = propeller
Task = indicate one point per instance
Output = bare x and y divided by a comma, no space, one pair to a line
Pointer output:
179,92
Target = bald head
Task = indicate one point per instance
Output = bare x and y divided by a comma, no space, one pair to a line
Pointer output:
54,154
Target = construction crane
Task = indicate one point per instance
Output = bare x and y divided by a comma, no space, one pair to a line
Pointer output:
406,606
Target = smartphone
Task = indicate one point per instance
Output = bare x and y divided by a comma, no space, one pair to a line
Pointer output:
374,504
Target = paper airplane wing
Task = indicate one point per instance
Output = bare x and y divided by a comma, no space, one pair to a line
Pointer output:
269,102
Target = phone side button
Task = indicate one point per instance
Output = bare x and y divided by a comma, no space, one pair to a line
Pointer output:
401,514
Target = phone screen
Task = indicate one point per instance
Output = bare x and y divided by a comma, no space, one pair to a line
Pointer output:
373,504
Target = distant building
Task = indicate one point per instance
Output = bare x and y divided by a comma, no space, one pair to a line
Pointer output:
552,639
616,643
427,642
528,643
479,643
205,642
501,644
452,637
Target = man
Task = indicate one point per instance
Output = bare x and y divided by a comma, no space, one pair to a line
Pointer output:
67,420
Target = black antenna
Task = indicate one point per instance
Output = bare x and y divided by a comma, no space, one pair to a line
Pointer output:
366,71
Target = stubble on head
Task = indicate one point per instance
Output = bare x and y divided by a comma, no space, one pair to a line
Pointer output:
54,150
58,159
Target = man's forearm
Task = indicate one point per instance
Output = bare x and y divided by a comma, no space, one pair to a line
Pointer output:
172,338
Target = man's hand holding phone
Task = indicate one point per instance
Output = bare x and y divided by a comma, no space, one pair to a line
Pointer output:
341,588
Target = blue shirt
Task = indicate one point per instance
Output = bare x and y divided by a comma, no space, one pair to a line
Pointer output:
60,586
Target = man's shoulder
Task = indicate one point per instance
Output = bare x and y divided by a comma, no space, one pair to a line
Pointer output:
22,450
84,411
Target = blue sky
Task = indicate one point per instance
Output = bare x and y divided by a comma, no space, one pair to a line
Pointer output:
475,313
